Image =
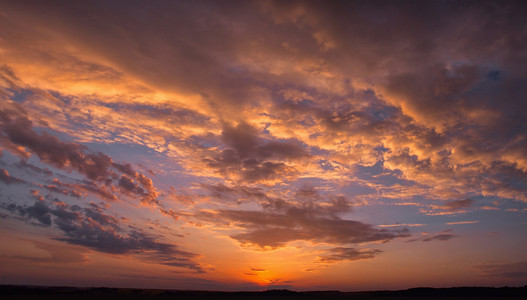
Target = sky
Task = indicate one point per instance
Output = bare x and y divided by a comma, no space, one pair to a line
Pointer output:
252,145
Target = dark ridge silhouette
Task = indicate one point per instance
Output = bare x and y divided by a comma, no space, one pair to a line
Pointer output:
58,293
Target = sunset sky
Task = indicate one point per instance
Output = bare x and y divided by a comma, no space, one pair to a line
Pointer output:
252,145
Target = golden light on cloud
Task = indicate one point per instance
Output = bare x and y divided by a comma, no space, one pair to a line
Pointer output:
262,145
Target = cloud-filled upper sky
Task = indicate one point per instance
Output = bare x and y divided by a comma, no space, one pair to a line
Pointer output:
245,145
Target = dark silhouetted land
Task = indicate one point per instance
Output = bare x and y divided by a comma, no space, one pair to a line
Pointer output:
38,292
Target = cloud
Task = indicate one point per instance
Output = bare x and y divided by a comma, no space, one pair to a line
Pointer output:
90,227
8,179
257,269
127,185
63,188
402,225
24,164
279,285
236,193
514,270
444,235
18,129
393,105
457,204
282,222
440,237
103,191
97,167
253,159
39,211
442,87
451,207
462,222
347,254
58,254
170,212
301,97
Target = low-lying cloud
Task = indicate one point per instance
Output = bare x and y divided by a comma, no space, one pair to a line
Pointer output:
281,222
91,227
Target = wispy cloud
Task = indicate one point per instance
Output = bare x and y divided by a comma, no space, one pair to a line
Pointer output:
462,222
402,225
504,269
347,254
444,235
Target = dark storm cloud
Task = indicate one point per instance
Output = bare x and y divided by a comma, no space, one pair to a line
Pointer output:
342,254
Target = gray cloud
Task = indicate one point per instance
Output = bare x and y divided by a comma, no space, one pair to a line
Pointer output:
444,235
18,128
513,270
63,188
39,211
252,158
342,254
282,222
458,204
440,237
97,167
24,164
90,227
8,179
